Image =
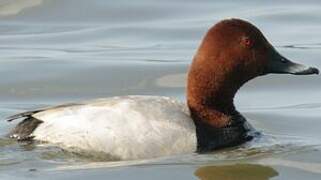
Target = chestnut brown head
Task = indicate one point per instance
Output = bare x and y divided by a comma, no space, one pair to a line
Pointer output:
241,48
232,52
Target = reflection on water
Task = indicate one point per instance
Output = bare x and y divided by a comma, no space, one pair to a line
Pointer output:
237,172
13,7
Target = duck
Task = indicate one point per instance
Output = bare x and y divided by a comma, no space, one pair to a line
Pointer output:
232,52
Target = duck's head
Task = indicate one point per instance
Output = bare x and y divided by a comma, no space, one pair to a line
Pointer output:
232,52
238,47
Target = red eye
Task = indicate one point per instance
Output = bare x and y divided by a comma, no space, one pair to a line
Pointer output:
247,42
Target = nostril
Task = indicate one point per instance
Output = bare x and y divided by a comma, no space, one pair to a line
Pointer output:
283,60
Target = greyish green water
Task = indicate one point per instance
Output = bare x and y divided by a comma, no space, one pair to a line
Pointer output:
56,51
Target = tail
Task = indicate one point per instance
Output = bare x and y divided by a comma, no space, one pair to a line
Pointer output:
23,130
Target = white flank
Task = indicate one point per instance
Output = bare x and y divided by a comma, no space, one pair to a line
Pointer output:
129,127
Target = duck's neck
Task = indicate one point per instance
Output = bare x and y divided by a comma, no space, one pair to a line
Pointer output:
218,123
210,93
216,110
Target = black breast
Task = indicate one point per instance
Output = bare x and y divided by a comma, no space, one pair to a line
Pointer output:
210,138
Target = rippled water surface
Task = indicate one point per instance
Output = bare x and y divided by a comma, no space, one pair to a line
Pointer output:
57,51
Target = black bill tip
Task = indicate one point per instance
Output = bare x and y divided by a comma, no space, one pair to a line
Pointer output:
314,70
308,71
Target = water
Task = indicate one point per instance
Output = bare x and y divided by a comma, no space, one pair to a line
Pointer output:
55,51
